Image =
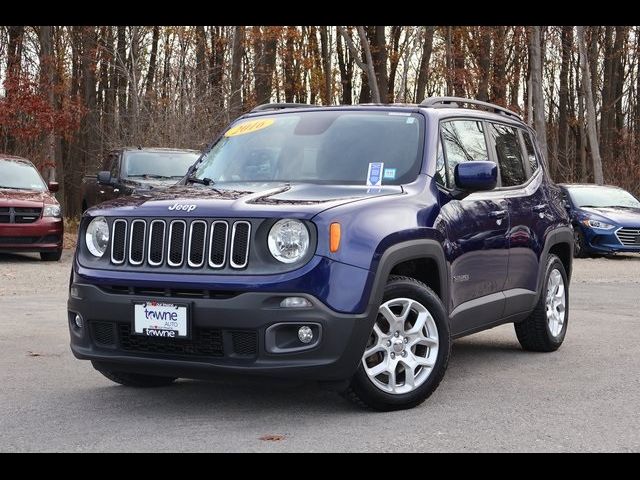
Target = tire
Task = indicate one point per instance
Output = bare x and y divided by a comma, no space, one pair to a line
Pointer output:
579,244
371,391
51,256
137,380
535,332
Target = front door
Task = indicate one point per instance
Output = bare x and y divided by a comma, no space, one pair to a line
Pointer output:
477,227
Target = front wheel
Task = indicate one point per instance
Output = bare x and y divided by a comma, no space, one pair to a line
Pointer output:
407,352
579,244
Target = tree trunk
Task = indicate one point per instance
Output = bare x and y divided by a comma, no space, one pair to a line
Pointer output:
47,84
423,75
237,51
536,90
394,59
591,111
366,66
325,46
151,72
459,72
14,67
563,124
345,64
121,73
499,80
378,46
265,42
484,62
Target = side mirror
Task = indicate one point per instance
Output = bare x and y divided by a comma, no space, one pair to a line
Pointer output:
104,178
54,187
476,176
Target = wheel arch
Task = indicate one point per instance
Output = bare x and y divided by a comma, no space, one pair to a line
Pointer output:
420,253
560,243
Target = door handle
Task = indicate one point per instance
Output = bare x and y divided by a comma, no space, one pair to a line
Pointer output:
539,208
498,214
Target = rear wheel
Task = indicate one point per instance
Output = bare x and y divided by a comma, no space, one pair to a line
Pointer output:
51,256
137,380
544,330
407,352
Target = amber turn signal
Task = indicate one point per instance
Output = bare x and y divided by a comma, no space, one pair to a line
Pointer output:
334,237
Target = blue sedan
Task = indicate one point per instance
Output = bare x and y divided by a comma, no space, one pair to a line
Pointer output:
605,219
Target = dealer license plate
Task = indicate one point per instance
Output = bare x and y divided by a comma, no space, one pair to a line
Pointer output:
163,320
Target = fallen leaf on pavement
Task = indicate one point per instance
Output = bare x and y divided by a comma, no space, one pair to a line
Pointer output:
272,438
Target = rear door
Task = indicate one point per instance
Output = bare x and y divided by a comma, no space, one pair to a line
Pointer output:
476,227
522,187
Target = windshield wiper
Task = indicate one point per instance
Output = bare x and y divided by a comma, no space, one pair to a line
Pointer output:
202,181
150,175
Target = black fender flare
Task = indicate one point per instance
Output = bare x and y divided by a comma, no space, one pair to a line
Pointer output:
559,235
405,251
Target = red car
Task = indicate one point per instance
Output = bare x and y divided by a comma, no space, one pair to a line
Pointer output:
30,216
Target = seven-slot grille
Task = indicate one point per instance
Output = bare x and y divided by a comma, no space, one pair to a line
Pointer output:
178,243
19,214
629,236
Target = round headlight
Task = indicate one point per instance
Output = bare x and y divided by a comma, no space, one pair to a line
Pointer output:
288,240
97,236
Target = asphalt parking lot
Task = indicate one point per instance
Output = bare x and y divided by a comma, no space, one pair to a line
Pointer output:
494,397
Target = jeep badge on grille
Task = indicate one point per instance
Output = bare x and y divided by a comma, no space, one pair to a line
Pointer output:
183,206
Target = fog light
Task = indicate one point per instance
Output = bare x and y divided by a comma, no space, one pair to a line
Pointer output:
305,334
295,302
78,321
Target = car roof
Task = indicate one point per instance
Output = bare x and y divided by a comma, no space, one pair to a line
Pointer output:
434,112
13,158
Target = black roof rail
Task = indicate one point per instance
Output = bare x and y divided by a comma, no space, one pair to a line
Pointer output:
454,101
278,106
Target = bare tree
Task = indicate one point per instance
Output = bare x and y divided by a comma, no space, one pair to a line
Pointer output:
591,111
366,67
536,90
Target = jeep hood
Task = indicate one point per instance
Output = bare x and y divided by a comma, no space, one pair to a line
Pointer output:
302,200
625,216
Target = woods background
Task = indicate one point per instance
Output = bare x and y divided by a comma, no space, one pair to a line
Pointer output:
70,93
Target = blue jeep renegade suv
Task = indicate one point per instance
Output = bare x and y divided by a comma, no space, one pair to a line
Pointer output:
345,244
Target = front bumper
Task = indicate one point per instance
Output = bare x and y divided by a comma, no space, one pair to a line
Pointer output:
107,320
44,234
606,241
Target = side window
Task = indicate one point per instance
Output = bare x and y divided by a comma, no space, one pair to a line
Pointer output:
441,170
463,142
531,152
509,155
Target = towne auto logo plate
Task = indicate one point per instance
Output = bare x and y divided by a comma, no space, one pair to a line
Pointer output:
157,319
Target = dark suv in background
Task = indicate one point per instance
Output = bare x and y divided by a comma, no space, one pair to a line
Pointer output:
345,244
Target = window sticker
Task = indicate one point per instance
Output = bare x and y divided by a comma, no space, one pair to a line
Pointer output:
389,173
410,120
374,175
249,127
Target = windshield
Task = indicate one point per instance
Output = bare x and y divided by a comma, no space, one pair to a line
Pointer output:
336,147
159,164
602,197
18,175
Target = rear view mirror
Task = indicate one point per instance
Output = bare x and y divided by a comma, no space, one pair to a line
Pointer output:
104,178
476,176
54,187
